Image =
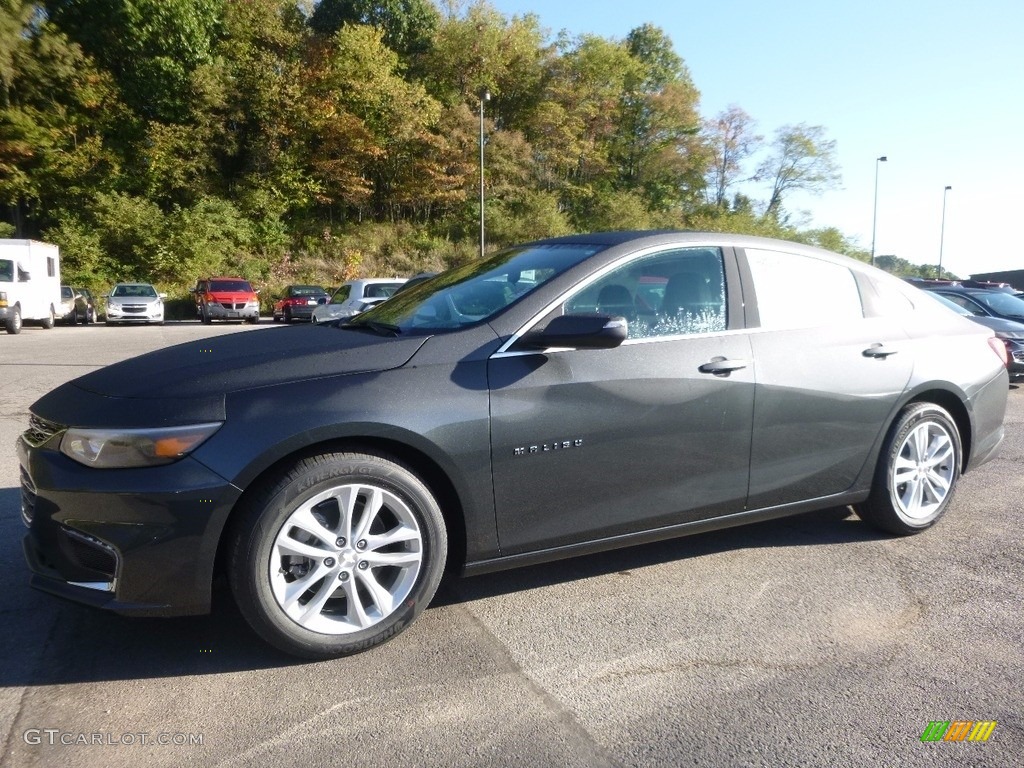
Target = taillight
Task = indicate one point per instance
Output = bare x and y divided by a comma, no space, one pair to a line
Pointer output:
999,347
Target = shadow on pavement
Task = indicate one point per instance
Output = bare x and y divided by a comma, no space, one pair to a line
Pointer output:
47,641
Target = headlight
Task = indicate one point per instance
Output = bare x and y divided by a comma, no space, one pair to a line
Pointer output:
117,448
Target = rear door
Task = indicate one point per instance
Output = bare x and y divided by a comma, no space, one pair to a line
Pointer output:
595,443
828,376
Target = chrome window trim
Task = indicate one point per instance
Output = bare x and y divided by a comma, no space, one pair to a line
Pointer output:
503,350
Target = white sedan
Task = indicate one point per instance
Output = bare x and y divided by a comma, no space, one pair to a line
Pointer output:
356,296
135,303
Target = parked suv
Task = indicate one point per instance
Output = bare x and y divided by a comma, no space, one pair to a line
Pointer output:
226,298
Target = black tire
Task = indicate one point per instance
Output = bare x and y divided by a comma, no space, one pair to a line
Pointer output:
49,321
261,570
287,314
914,499
13,322
252,320
74,317
204,315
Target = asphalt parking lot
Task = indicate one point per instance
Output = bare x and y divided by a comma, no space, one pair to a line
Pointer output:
811,641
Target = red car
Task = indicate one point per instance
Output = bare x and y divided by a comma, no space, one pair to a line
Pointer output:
226,298
298,302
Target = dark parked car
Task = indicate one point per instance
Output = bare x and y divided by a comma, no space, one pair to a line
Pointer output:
298,302
983,301
76,306
85,306
500,415
1010,332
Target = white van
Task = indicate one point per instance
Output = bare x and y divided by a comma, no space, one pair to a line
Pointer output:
29,283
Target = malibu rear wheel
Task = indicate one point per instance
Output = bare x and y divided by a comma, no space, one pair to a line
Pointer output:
917,471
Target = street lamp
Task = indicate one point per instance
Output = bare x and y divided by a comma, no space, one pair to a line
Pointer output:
874,219
942,231
485,95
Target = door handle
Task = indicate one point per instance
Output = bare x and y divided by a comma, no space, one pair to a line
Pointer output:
879,352
720,366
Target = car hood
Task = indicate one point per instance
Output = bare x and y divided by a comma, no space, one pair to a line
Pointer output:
188,382
998,323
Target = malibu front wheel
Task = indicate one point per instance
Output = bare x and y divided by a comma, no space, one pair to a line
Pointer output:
917,472
338,555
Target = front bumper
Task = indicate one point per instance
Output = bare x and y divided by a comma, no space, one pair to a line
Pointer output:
135,313
233,311
134,541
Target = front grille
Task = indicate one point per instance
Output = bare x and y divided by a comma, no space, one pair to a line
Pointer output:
229,305
40,430
28,498
134,309
87,552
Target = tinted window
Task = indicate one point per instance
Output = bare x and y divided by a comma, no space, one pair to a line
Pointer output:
966,303
66,292
236,286
666,294
380,290
341,294
796,291
6,271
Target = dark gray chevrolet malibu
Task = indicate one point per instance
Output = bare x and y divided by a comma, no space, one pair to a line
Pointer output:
560,397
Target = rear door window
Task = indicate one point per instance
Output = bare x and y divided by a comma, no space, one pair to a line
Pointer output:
799,291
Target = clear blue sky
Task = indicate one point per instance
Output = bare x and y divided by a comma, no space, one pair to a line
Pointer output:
936,86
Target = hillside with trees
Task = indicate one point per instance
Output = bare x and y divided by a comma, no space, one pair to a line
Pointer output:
291,141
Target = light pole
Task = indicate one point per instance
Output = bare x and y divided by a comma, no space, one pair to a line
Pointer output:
874,218
942,230
485,95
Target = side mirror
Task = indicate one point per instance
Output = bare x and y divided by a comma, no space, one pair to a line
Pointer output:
580,332
162,295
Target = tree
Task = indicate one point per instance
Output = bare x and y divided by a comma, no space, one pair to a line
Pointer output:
150,46
804,160
657,147
732,140
408,25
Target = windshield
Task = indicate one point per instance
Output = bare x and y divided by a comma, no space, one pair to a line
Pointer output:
306,290
229,286
1002,303
66,292
476,291
136,291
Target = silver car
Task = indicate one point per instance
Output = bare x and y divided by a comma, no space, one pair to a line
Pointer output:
135,303
356,296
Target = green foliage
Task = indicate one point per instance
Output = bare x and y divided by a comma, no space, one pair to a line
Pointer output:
803,159
150,46
407,25
291,141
